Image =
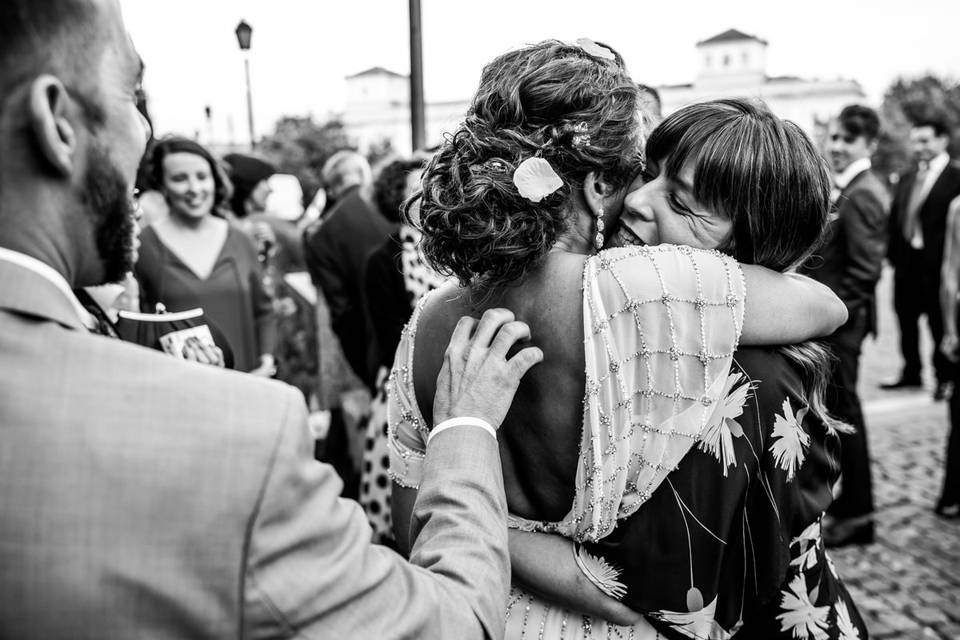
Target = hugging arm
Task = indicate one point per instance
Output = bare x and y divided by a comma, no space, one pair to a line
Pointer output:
786,308
544,564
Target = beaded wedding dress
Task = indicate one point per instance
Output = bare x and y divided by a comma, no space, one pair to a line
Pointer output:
660,325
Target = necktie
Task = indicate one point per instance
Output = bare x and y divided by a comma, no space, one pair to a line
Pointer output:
911,221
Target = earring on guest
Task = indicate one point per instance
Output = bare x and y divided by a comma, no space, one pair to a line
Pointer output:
598,239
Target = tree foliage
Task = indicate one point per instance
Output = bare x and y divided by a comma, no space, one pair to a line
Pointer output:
909,99
300,146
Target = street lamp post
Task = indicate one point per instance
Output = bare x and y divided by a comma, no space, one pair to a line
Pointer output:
244,31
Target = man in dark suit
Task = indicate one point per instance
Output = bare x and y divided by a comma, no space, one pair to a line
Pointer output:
335,250
336,255
917,231
144,496
849,263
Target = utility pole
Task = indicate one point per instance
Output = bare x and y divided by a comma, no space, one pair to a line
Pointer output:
416,77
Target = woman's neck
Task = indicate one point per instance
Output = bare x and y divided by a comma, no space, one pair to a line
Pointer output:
578,236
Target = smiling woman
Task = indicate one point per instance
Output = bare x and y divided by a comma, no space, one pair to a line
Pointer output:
194,258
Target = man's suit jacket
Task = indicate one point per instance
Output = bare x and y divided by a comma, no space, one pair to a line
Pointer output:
933,222
144,496
851,258
336,256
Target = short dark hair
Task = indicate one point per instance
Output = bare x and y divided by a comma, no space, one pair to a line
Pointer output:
858,120
936,122
163,147
762,172
390,185
60,37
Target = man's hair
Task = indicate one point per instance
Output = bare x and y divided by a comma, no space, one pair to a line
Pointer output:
343,163
936,122
59,37
858,120
390,185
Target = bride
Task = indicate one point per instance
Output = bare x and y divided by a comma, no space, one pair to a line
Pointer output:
638,342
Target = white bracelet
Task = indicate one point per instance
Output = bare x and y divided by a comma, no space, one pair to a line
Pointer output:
463,422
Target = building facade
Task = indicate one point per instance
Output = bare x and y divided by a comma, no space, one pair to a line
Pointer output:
732,63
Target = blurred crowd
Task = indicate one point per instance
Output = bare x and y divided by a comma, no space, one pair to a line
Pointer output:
317,292
314,294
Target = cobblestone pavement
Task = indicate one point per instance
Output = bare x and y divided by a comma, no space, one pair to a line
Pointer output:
907,584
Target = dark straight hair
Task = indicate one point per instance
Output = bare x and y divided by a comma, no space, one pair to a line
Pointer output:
766,175
760,171
858,120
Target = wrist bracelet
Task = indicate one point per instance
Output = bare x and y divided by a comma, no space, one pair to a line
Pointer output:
462,422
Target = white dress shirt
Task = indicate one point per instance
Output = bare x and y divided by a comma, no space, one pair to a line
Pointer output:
855,168
843,179
934,169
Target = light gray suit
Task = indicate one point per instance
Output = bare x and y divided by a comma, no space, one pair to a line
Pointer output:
142,496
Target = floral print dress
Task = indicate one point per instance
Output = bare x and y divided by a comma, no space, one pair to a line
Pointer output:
729,545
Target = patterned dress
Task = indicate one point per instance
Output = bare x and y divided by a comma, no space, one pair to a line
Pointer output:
397,278
694,503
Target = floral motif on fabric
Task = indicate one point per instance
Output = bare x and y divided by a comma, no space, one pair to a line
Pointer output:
722,428
808,544
695,624
848,631
790,441
800,616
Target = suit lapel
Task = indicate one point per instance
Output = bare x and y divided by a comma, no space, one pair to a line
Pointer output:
24,291
945,181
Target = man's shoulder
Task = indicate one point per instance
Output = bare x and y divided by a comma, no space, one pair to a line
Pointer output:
868,186
952,173
103,378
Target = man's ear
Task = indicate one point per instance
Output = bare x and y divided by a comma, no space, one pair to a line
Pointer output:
595,191
55,135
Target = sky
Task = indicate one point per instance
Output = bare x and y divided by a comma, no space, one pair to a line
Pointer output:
302,49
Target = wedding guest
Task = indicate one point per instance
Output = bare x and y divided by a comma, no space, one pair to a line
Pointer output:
336,254
948,505
143,496
278,242
194,258
849,262
917,231
396,279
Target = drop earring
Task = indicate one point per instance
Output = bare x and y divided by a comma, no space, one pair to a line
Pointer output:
598,239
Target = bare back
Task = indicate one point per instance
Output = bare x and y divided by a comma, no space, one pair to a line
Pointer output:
540,438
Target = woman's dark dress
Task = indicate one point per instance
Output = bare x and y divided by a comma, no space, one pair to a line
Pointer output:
753,524
232,296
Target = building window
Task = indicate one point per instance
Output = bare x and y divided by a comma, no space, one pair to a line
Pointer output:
726,60
746,58
707,61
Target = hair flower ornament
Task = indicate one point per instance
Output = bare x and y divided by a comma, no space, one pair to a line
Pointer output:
536,179
596,50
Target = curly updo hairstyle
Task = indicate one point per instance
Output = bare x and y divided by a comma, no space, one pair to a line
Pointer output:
578,111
